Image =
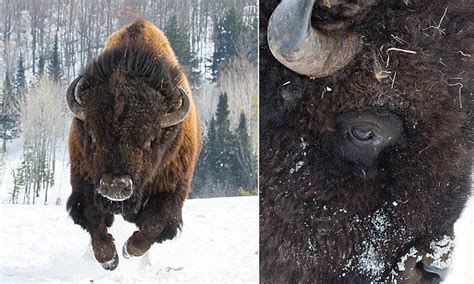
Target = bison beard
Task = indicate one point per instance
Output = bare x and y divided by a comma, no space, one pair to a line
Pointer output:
133,143
365,165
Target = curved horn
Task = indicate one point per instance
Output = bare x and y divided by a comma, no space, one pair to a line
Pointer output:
301,47
179,115
75,107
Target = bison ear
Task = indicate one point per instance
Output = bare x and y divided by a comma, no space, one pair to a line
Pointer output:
180,114
75,107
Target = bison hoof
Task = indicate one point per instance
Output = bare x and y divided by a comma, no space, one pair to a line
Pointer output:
111,264
129,250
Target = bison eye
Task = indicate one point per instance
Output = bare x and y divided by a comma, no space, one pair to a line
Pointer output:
149,143
362,136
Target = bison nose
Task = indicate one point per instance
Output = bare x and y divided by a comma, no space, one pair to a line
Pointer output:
116,188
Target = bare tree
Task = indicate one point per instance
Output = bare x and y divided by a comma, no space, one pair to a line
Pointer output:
239,79
42,127
207,95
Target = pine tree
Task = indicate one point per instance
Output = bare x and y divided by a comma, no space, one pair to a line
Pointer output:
203,176
41,63
249,41
226,163
222,113
18,183
247,166
180,43
9,113
223,162
20,79
218,162
54,66
242,133
227,33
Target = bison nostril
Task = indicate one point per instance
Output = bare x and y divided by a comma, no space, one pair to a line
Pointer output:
116,188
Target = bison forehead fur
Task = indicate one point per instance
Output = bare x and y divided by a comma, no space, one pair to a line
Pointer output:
136,129
324,217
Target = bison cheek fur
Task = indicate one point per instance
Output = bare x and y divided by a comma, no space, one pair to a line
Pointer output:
325,222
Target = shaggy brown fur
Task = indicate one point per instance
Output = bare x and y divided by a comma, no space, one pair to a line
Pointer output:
323,218
126,91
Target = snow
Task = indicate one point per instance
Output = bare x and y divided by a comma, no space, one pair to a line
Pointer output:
219,243
412,253
441,250
370,262
463,257
297,167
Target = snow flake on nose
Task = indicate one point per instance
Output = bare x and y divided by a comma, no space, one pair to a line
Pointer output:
303,143
441,252
297,167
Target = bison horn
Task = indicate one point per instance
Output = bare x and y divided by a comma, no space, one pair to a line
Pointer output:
75,107
179,115
301,47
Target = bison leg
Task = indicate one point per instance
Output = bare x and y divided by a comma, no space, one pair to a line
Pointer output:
160,220
82,210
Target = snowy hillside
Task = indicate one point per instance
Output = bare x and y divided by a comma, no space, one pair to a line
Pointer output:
219,243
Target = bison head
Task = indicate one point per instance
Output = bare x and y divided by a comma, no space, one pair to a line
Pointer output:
371,160
130,102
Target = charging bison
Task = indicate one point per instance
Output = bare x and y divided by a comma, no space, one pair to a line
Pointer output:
133,143
366,138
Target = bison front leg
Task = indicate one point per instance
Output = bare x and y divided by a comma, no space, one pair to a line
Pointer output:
160,220
82,210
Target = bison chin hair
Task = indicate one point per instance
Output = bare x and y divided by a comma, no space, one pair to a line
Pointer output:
126,207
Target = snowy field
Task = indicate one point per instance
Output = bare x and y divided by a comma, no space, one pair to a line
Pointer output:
219,243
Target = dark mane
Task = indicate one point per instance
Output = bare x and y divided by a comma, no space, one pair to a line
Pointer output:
135,61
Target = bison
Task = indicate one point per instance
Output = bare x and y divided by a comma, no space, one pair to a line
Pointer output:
133,142
367,164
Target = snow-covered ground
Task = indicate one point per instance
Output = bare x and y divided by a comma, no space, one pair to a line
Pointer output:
219,243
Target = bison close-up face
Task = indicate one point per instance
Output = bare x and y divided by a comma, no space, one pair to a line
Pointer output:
366,166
